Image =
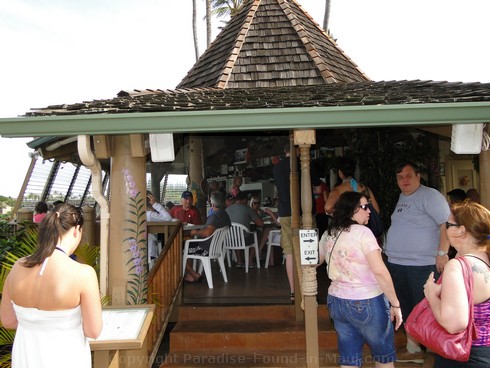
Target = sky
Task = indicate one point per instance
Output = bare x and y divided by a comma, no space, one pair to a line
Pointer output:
67,51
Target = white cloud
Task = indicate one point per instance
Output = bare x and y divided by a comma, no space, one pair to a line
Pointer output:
66,51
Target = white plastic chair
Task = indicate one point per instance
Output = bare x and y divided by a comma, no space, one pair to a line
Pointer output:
274,239
236,241
154,249
215,252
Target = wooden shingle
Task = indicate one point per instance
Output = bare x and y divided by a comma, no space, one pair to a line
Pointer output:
290,95
267,36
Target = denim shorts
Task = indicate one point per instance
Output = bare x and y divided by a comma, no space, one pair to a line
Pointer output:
362,321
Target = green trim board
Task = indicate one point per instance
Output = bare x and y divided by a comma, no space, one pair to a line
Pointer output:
248,119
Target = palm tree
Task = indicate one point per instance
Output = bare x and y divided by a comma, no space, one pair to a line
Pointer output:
223,8
194,28
208,21
326,16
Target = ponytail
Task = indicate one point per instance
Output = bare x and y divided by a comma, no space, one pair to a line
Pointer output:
51,229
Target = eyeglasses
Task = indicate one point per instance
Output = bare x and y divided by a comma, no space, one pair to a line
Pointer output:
365,207
449,224
255,203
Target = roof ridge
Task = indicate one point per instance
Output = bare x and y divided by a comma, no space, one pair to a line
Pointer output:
239,41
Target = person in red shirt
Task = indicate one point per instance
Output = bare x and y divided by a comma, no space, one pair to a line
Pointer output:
186,212
41,210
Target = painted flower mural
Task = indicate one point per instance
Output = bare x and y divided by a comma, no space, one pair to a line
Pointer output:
134,242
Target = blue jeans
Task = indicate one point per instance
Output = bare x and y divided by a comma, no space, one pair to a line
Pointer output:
362,321
409,284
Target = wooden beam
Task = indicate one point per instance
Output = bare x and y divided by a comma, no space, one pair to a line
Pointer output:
137,142
102,146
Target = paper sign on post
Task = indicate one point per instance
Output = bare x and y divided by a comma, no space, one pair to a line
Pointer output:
308,243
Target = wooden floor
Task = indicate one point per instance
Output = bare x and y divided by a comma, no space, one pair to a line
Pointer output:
258,286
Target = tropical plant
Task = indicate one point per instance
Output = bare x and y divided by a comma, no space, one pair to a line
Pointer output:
12,240
225,8
6,342
7,200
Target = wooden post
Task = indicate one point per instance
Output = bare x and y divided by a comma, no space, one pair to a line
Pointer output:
127,229
24,215
89,227
305,139
128,258
485,178
295,225
22,190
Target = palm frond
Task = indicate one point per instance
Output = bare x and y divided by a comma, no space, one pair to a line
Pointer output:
23,248
6,336
89,255
3,276
28,243
105,300
6,360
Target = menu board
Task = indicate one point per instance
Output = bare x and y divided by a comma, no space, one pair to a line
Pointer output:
123,327
122,324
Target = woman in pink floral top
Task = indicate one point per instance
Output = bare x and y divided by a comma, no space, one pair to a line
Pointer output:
361,298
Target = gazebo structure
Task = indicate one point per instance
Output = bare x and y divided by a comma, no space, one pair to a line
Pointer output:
272,68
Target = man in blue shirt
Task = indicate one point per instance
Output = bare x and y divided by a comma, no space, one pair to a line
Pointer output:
416,244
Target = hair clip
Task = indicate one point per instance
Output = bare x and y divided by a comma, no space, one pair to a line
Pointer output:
57,214
488,237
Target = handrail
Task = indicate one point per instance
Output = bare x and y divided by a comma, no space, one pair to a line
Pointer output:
164,283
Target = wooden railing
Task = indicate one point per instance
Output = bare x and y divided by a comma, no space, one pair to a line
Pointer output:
164,282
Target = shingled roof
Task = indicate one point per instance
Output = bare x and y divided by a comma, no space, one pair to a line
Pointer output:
272,43
346,94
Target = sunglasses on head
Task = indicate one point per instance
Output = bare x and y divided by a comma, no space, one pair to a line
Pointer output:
365,207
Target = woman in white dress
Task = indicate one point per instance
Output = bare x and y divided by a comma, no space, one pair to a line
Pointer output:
52,300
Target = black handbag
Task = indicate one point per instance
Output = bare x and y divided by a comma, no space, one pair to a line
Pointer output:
375,222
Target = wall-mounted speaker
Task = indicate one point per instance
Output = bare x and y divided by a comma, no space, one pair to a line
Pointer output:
162,147
467,138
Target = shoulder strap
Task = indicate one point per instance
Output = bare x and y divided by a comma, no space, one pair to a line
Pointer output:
470,255
353,184
330,256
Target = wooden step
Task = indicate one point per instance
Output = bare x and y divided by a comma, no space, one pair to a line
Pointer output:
241,313
255,335
252,336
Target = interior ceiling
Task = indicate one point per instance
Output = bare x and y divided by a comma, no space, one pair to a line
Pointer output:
220,149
